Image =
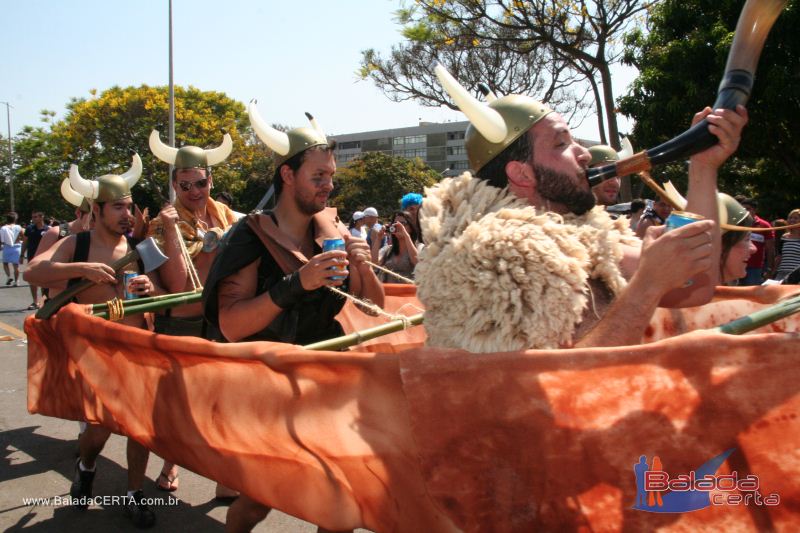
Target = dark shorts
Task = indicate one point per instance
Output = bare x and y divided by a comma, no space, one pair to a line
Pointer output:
182,326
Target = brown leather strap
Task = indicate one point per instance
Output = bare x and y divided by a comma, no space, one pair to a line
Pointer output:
285,260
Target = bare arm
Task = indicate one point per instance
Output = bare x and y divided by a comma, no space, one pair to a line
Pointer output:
667,260
363,281
702,198
175,271
48,240
52,267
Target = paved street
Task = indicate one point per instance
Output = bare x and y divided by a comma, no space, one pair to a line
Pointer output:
39,457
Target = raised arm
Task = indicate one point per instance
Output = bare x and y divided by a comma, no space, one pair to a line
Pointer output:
175,271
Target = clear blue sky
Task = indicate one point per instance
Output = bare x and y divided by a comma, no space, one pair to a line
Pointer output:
292,56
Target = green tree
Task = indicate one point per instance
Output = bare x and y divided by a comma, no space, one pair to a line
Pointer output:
99,134
379,180
558,50
681,60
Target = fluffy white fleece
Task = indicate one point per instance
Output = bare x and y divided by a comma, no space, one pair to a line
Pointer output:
495,275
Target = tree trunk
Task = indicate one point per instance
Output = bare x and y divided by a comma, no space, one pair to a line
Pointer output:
611,121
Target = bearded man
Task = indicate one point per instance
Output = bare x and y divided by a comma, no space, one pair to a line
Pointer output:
518,257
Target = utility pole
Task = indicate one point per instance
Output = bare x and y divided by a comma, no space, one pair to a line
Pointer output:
10,153
171,107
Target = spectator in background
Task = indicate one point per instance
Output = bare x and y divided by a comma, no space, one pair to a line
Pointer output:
30,243
11,237
764,257
401,254
778,222
736,246
411,203
653,216
357,224
789,259
371,224
637,208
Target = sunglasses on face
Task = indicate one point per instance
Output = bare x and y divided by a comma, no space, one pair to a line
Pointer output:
186,186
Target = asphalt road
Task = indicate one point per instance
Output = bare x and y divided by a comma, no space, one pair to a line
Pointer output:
39,457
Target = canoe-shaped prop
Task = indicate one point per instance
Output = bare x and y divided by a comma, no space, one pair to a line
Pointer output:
395,436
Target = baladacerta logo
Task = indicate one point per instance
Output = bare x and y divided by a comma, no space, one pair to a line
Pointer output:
657,492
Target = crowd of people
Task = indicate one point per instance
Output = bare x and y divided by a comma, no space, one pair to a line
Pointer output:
530,255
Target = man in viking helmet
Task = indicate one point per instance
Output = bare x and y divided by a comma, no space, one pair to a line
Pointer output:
529,261
188,233
606,192
87,255
82,221
271,281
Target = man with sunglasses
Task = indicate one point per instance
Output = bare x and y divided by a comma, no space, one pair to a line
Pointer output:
188,231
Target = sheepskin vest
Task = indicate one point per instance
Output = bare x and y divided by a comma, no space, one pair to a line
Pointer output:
496,275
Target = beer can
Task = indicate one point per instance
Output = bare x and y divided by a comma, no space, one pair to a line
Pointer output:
676,219
334,244
127,276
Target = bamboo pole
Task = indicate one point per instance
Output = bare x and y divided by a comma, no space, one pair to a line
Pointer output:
131,307
136,301
358,337
762,317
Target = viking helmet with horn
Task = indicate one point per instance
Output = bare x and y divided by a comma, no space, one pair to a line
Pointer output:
495,126
286,144
190,156
73,197
731,212
603,154
108,188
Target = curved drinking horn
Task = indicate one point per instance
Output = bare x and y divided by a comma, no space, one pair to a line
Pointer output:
87,189
315,124
69,194
276,140
755,21
485,119
162,151
134,173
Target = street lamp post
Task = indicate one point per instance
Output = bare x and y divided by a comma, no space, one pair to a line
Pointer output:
10,153
171,107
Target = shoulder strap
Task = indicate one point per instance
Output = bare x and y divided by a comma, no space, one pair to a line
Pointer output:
83,241
81,253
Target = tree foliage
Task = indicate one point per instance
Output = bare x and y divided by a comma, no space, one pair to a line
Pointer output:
555,50
379,180
100,133
681,60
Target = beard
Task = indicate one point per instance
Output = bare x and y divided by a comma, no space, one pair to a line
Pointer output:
307,205
561,188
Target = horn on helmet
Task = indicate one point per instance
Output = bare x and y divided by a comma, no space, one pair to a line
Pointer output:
165,153
69,193
487,93
485,119
221,152
627,148
86,188
315,124
134,173
276,140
